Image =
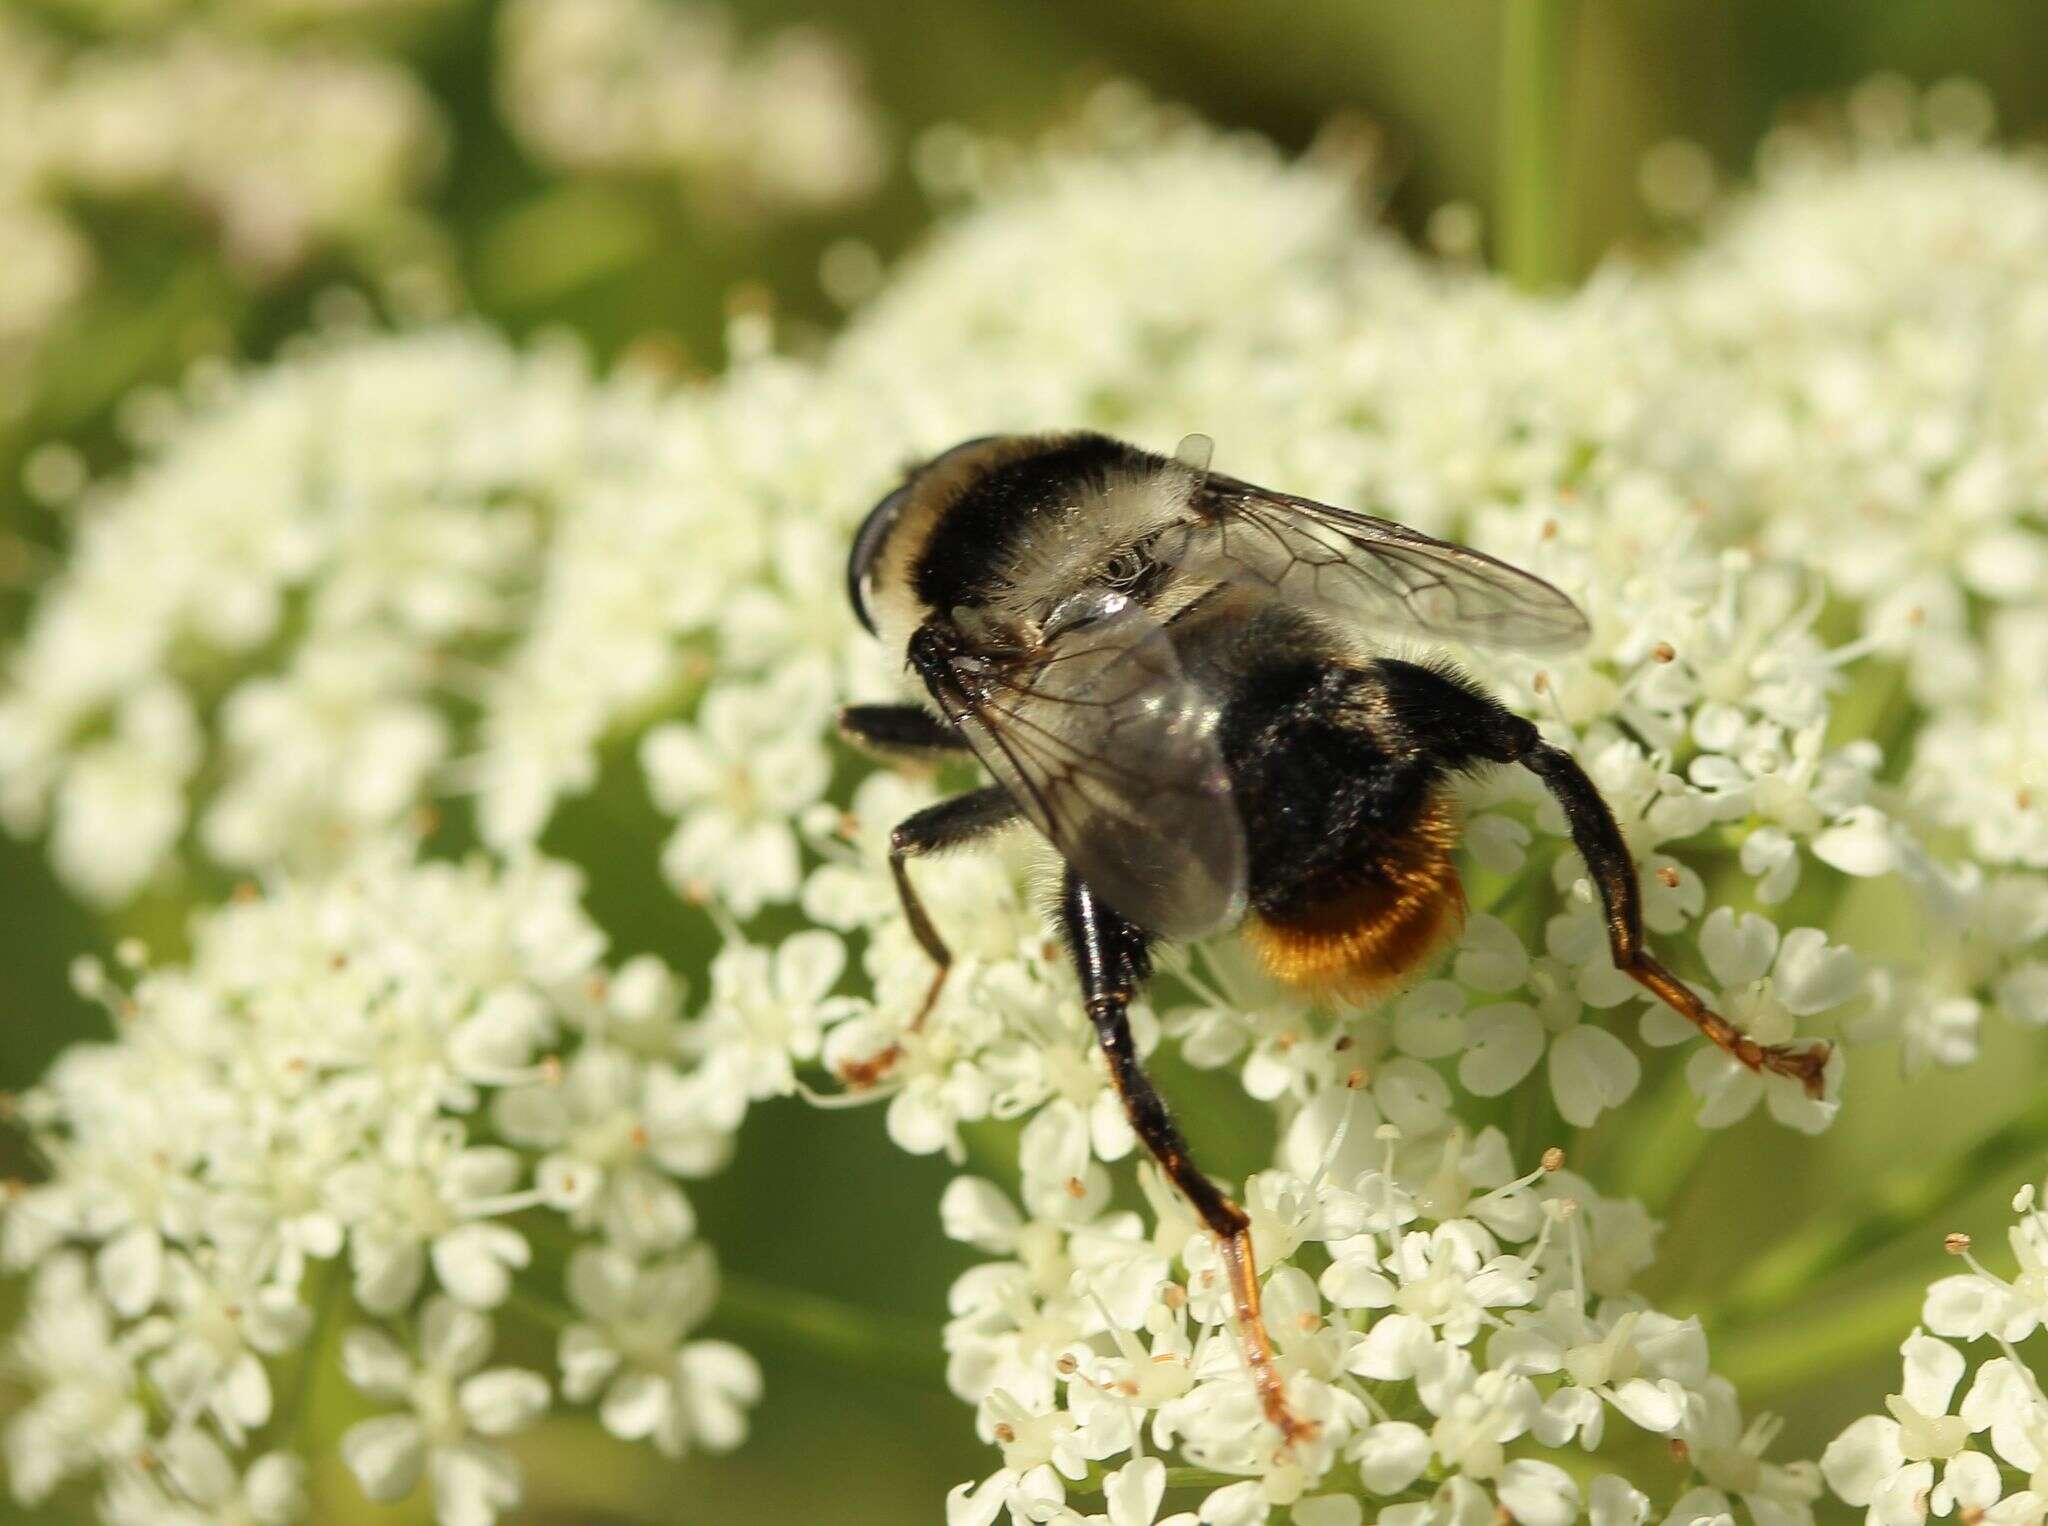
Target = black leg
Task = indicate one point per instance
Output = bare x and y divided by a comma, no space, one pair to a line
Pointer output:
1113,958
948,824
900,731
1607,858
1465,726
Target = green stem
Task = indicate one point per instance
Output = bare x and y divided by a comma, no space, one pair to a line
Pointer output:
1535,1123
1897,1203
1176,1478
330,1281
1535,45
865,1340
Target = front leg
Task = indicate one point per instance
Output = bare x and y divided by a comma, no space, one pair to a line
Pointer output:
908,733
948,824
1113,958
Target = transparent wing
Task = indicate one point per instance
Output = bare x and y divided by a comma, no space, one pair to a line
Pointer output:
1113,754
1367,569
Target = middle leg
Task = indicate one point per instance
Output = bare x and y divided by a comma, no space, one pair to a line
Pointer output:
1113,958
947,824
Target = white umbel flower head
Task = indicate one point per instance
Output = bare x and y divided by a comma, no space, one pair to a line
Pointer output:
1791,479
299,1119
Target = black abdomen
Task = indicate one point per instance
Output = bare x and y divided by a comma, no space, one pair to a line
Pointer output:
1328,790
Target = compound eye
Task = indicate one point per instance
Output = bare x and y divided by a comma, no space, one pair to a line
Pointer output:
867,545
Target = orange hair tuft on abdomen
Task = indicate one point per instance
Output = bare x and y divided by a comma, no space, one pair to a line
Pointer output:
1368,939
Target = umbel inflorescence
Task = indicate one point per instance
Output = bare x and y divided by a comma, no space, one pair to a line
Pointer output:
1794,478
393,1102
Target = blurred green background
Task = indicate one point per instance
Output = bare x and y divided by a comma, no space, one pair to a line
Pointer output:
818,1204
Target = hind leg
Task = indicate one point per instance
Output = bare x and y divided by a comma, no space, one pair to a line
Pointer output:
1465,727
1614,875
1112,956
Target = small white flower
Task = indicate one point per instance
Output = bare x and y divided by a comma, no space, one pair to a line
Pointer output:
1642,1363
1766,987
614,1128
1041,1447
769,1010
737,776
451,1408
422,1200
1590,1069
1730,1457
1889,1463
1478,1414
633,1358
1442,1280
199,1482
209,1348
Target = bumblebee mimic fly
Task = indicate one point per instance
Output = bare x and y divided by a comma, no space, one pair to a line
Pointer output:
1181,681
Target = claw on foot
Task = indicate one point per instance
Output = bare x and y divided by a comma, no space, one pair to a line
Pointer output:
1806,1066
861,1075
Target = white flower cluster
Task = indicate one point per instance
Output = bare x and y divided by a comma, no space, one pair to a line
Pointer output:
1462,1320
1734,464
47,259
284,149
1983,1458
404,1088
1430,1308
280,16
644,87
49,264
275,591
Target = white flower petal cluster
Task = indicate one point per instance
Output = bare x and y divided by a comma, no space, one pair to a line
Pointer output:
51,264
447,1405
1979,1451
337,1134
1438,1340
783,123
1783,476
284,148
293,604
606,553
281,16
